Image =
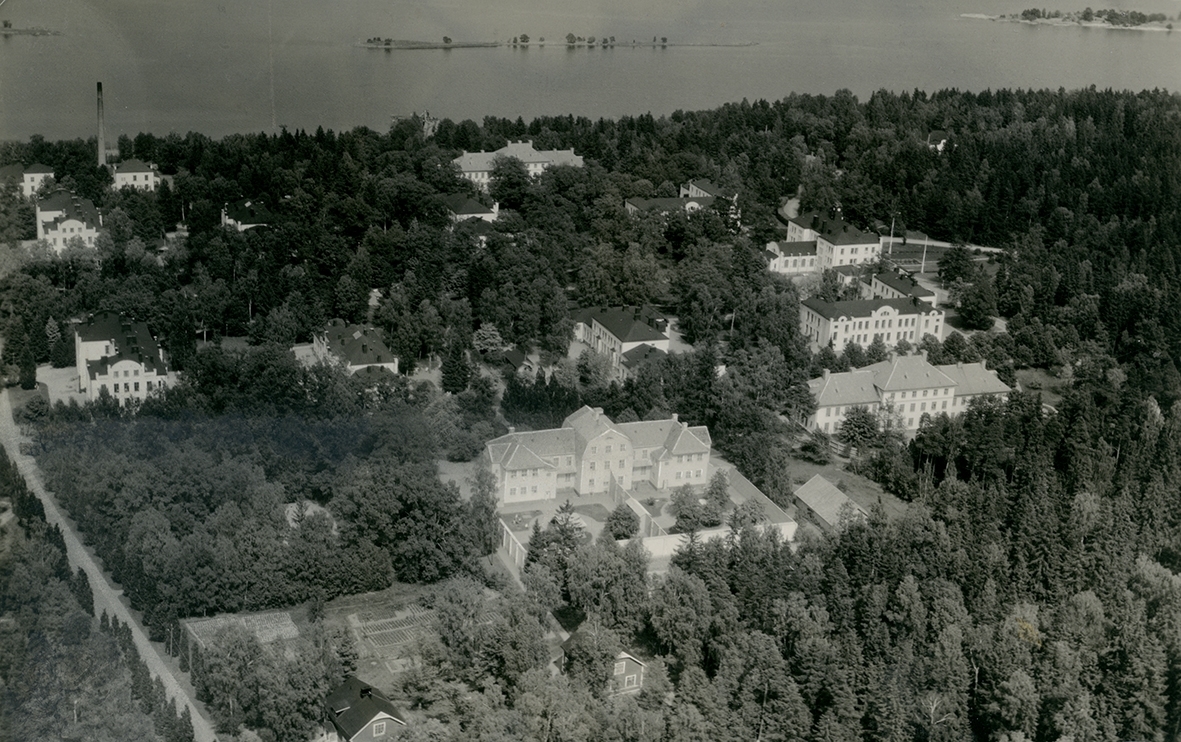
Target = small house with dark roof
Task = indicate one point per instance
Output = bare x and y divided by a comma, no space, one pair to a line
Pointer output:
63,216
136,174
667,205
27,179
791,258
357,711
825,505
120,357
632,361
590,451
891,285
462,207
702,188
627,674
244,214
862,320
477,166
356,347
614,331
838,242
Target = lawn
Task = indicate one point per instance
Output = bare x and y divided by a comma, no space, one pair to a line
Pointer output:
864,492
1040,381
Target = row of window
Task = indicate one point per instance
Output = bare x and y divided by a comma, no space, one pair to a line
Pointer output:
512,491
690,474
130,386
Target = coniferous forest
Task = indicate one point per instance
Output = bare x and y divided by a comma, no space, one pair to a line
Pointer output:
1030,590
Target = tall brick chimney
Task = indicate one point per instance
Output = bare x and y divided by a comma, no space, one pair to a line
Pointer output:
102,139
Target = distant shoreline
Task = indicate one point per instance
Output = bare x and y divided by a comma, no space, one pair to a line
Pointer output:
28,32
404,45
1066,22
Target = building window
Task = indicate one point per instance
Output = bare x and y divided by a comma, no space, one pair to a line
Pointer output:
630,681
512,491
103,388
535,489
592,466
607,449
620,668
136,372
592,482
379,729
621,463
678,475
137,386
126,387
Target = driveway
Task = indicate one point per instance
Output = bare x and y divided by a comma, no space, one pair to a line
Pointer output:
107,596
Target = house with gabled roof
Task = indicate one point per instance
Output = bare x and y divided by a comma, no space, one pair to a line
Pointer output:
477,166
462,207
590,451
26,179
63,216
892,285
838,323
120,357
838,242
244,214
615,331
825,505
357,711
136,174
702,188
791,258
904,388
356,347
627,674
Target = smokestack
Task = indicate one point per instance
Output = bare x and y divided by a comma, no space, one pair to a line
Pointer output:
102,139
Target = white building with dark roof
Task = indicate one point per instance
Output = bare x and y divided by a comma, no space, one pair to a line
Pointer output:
26,179
861,320
890,285
358,348
64,216
792,258
462,207
477,166
615,331
120,357
136,174
590,451
838,243
904,387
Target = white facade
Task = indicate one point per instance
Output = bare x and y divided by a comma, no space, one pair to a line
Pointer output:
34,178
861,321
136,174
63,216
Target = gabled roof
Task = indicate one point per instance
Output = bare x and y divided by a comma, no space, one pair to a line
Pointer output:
845,388
527,450
907,372
589,423
70,206
864,307
462,205
796,248
711,189
640,355
665,205
130,340
357,345
523,151
133,166
246,211
353,704
824,499
628,324
834,229
670,436
974,378
906,284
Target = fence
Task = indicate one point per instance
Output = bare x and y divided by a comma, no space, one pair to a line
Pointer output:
512,547
648,525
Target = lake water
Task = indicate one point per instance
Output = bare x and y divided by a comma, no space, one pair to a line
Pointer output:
221,66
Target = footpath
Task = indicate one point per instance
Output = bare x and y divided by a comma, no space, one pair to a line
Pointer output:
107,596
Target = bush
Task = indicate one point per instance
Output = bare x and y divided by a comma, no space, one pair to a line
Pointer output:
622,523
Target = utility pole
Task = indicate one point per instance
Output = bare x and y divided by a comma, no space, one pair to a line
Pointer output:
926,240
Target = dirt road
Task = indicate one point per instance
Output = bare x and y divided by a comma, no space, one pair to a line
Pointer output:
107,597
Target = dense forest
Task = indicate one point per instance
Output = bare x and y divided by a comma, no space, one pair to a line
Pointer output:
1028,592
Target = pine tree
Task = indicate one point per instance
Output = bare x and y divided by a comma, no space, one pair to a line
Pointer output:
456,371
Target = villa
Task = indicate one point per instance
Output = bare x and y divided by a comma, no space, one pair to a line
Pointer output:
477,166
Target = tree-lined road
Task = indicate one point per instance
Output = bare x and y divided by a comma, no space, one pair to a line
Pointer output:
107,597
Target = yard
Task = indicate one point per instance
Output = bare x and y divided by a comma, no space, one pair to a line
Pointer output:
1042,382
864,492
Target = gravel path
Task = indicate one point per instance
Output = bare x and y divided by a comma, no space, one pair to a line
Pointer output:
107,597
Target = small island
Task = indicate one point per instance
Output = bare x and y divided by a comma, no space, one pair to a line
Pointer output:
6,29
570,41
1103,18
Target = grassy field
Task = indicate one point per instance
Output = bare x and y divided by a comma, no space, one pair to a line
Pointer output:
1040,381
864,492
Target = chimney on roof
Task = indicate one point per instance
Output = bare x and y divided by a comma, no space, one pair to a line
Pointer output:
102,139
675,417
364,348
827,373
923,353
366,693
512,429
635,312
